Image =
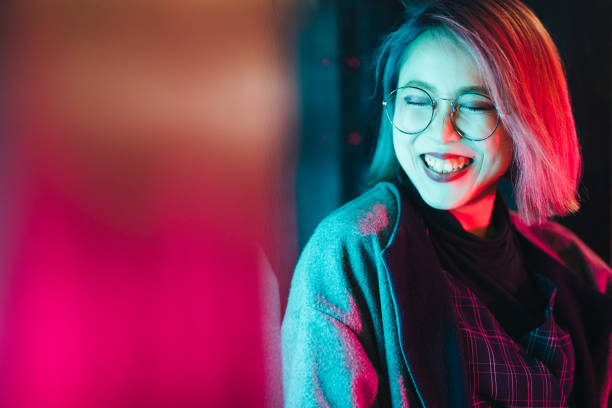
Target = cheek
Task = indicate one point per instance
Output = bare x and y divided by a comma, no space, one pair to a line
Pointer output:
403,146
498,154
404,154
398,141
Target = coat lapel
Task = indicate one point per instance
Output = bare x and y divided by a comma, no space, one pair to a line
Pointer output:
581,310
428,329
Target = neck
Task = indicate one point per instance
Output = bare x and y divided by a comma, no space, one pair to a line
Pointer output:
475,217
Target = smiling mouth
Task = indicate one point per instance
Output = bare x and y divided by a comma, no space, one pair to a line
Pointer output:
446,166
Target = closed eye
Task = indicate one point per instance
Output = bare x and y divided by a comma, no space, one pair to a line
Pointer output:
476,108
416,101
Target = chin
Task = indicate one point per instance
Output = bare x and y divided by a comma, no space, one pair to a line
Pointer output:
441,204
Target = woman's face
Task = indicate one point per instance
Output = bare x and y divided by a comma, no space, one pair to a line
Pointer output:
437,63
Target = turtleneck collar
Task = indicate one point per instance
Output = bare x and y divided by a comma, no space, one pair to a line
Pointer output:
445,222
492,266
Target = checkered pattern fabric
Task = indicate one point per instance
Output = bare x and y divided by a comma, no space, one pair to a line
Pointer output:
535,371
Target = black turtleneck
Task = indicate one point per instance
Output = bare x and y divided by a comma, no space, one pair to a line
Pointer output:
492,267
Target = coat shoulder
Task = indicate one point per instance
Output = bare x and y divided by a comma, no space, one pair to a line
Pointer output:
373,214
337,269
564,245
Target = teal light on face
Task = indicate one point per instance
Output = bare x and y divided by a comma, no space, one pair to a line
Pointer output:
443,108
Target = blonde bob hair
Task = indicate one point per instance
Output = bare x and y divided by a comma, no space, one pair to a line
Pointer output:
525,78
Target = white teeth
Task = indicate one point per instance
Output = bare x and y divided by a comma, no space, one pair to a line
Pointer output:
446,166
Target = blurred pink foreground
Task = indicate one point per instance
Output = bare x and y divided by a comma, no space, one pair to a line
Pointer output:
140,175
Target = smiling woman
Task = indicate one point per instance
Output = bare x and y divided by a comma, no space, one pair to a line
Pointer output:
427,290
438,62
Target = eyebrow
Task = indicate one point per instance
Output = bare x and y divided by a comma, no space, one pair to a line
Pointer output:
462,90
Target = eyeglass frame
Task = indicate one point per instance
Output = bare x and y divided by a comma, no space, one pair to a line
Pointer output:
434,104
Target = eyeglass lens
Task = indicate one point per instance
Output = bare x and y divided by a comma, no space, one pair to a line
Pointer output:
475,115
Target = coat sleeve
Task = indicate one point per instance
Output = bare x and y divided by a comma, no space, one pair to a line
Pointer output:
325,353
560,242
324,363
576,252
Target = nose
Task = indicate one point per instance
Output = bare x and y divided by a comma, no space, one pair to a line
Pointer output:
442,127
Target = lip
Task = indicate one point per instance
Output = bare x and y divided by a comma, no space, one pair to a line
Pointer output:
443,178
444,156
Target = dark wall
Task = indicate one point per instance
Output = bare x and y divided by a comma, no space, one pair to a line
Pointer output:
340,111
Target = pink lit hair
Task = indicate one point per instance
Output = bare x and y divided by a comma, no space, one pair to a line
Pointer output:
524,74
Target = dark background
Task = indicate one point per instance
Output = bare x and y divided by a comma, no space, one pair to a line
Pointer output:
339,110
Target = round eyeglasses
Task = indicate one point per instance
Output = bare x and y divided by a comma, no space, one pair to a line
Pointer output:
411,110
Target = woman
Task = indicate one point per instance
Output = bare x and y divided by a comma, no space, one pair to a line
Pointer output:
427,290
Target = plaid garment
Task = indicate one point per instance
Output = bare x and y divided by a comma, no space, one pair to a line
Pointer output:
537,370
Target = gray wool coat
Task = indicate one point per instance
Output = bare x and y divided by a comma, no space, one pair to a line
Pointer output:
368,321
